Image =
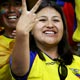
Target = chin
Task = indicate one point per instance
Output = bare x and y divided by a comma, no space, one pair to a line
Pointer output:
12,25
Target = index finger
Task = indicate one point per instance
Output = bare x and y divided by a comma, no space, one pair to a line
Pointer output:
24,6
36,6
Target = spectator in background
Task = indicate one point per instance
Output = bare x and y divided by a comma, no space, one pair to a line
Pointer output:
10,11
76,35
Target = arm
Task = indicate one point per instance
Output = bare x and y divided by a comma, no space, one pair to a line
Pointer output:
20,54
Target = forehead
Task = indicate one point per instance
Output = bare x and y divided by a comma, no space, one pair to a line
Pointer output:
48,11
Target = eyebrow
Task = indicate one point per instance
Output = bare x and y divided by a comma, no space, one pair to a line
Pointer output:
46,17
56,16
42,17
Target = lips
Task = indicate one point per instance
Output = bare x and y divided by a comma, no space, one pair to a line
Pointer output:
12,16
50,32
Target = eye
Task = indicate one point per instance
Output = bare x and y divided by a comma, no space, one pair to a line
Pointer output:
18,3
56,20
43,20
5,4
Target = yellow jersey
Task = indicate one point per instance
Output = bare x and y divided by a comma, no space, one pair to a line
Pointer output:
48,70
5,51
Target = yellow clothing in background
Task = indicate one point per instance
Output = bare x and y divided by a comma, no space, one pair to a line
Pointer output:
76,35
5,51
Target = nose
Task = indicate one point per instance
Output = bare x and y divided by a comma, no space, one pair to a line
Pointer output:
49,24
12,8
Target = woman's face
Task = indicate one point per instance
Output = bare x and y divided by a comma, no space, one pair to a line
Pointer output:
49,27
10,11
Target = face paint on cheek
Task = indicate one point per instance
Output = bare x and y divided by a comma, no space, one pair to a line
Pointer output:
2,11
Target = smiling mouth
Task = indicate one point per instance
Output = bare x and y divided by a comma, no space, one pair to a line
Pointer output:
12,18
50,32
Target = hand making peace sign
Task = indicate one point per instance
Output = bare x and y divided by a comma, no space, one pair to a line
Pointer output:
27,18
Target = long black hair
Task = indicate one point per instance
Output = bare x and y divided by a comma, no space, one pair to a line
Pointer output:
64,49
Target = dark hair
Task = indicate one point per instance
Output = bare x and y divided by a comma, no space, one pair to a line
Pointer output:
2,1
64,50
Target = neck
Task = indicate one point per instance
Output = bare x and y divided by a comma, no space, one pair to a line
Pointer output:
8,33
51,51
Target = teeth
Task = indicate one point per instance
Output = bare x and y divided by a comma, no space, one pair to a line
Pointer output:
12,17
49,32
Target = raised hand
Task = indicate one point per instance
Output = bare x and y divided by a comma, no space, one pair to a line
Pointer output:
27,19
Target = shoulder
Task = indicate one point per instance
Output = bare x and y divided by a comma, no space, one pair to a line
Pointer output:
76,63
3,38
77,58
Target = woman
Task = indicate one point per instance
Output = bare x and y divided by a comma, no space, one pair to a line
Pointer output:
41,50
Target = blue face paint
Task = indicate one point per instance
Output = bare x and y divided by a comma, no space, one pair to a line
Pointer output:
2,11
